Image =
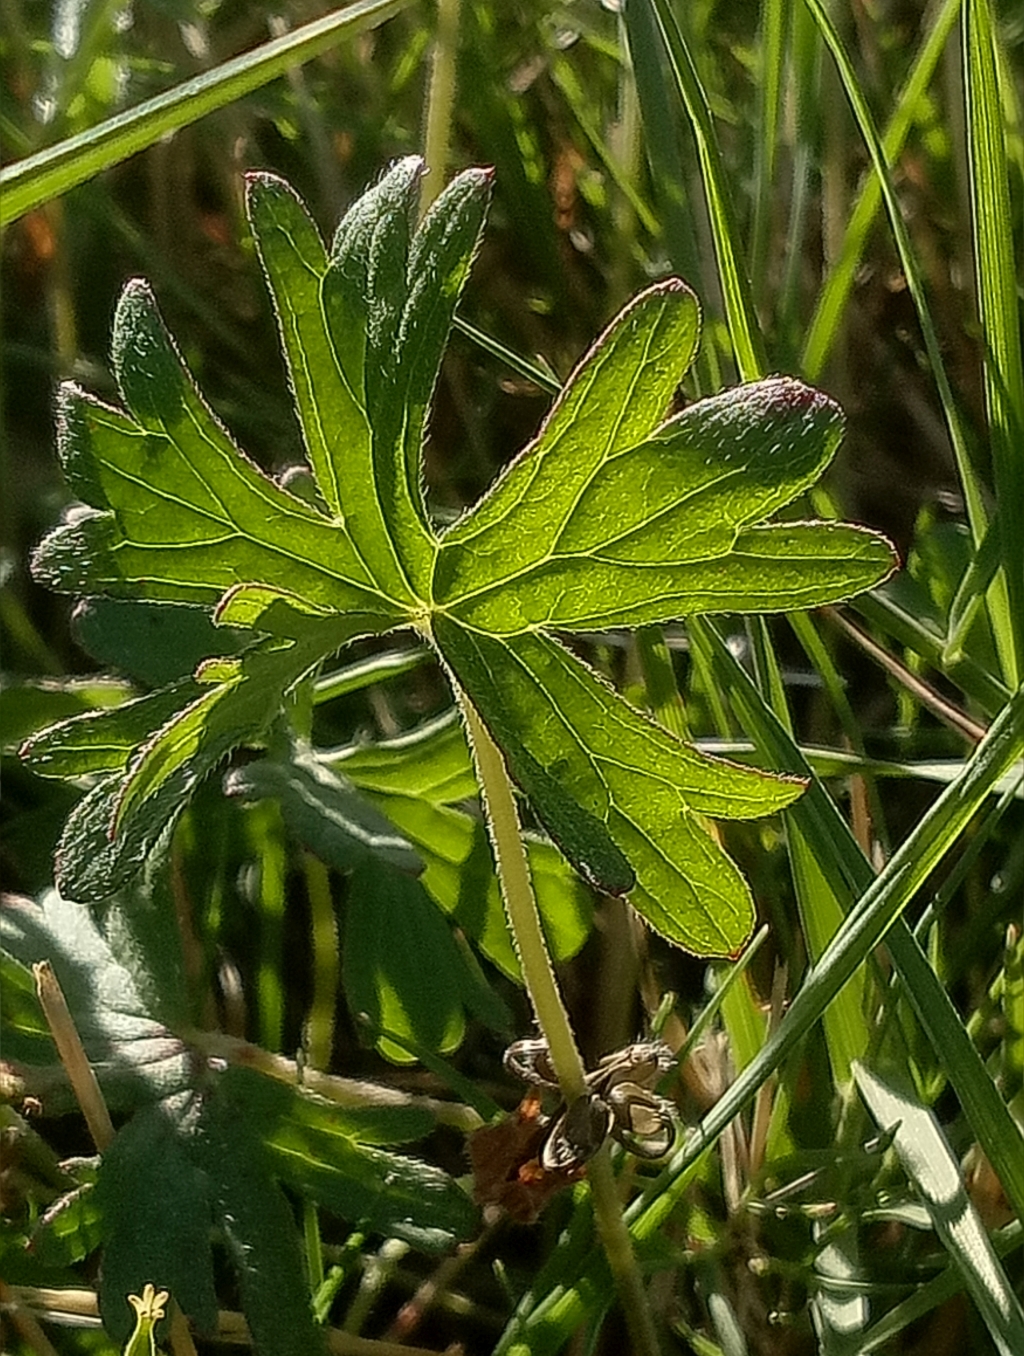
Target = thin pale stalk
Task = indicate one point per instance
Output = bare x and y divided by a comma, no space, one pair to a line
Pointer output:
80,1072
539,977
517,891
344,1092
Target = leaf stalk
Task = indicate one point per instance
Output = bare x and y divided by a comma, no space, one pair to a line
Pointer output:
513,872
513,869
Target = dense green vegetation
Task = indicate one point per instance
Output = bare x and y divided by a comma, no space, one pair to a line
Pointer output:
250,754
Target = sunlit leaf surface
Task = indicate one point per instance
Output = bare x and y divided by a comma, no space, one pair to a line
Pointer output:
615,515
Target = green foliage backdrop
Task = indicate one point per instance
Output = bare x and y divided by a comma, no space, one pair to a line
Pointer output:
265,812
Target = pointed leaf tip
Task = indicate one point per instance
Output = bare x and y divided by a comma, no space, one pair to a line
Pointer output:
782,395
147,364
257,180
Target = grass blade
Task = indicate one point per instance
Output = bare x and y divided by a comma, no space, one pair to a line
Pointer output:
973,490
661,141
929,1163
877,911
773,65
747,342
881,900
822,897
833,296
929,1296
49,173
997,284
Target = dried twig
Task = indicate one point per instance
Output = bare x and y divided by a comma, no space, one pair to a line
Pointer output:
72,1055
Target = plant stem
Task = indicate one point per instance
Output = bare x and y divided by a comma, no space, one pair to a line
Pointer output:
80,1072
618,1248
517,891
513,870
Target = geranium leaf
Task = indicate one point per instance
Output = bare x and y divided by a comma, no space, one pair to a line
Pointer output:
389,295
167,476
256,1222
134,1055
613,401
206,1146
440,256
157,1218
115,826
153,642
401,967
331,414
29,708
315,1148
95,742
619,513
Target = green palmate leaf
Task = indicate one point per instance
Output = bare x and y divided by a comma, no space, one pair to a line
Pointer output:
331,412
364,332
95,742
627,783
440,257
30,707
394,939
411,285
256,1223
205,1149
72,1227
153,642
613,401
614,516
321,1153
134,1055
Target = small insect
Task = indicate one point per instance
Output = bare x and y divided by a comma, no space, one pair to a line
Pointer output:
619,1101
